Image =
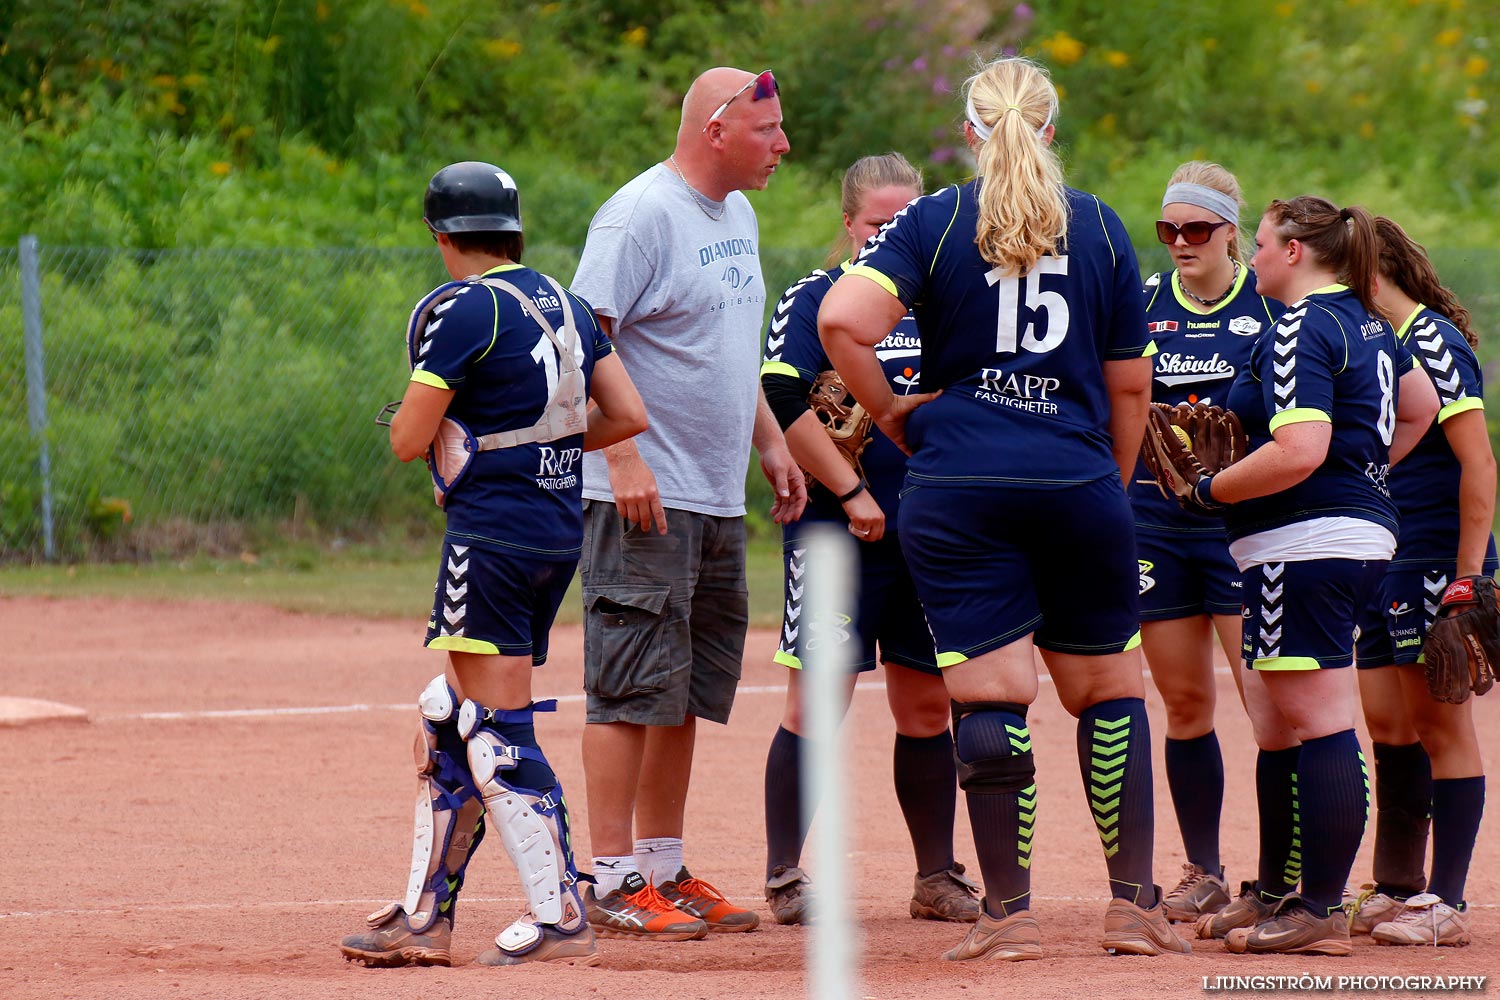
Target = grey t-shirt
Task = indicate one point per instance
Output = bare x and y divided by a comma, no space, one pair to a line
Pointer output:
687,297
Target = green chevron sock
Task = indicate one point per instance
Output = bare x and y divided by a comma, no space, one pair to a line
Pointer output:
1114,754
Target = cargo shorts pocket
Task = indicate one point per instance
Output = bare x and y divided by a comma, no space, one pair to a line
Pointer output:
626,647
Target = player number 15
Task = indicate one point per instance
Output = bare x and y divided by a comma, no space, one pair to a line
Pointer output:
1053,328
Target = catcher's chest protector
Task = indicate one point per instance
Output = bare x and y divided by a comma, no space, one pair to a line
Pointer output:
565,414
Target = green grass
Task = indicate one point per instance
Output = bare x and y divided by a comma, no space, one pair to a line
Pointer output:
362,582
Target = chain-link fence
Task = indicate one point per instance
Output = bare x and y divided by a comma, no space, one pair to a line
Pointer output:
166,400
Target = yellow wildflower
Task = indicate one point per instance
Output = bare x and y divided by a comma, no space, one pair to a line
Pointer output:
418,8
1476,65
271,44
635,37
1063,48
164,80
1449,37
1117,59
219,168
193,80
501,48
1367,129
1210,44
1314,86
1286,9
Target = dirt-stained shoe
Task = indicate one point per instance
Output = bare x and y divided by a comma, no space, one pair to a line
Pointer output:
1198,892
1015,938
698,898
637,910
1425,919
788,891
945,895
389,941
525,942
1135,930
1372,907
1248,909
1293,929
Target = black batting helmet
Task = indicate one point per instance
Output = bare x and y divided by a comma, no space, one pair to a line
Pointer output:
472,197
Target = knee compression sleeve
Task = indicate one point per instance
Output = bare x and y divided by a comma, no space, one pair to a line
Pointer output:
449,821
998,776
993,747
533,822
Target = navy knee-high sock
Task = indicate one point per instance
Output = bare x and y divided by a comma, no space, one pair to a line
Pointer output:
1114,754
1195,773
786,829
927,787
1003,820
1457,805
1333,797
1403,811
1280,864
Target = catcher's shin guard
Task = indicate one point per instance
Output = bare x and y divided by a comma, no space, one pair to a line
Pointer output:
449,820
533,823
449,826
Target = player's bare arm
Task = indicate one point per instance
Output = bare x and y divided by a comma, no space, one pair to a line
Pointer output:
857,315
1416,405
617,412
1128,384
416,423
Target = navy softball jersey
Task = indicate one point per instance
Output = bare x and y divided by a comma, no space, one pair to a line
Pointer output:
1018,357
1326,356
502,369
1196,358
1425,484
793,348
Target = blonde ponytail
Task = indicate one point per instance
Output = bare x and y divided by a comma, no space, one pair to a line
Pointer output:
1023,212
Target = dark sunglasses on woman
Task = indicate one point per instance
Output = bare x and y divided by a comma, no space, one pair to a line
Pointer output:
1193,233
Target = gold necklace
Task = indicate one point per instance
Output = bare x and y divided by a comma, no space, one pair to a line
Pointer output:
1207,303
697,199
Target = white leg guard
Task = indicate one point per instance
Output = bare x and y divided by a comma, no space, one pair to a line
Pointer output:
532,826
447,819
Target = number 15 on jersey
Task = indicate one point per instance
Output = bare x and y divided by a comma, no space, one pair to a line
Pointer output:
1049,310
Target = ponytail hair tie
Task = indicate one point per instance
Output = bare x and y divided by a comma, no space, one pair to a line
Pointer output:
1344,214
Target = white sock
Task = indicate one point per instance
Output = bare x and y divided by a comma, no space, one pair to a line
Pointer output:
658,859
610,872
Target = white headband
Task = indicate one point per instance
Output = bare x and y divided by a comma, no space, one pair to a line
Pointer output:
1216,202
985,131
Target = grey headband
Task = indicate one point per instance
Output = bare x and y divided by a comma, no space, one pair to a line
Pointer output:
1216,202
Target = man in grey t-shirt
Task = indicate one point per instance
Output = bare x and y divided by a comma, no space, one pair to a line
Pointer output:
672,267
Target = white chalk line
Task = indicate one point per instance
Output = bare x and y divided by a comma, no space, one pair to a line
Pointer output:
265,713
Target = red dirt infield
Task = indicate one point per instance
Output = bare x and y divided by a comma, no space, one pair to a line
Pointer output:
240,799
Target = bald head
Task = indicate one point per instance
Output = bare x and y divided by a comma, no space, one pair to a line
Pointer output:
711,89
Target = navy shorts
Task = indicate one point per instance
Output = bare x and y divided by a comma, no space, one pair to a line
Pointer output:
1301,615
886,610
489,601
1392,627
1185,574
993,564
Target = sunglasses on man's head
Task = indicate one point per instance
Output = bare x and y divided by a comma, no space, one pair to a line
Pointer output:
1193,233
765,86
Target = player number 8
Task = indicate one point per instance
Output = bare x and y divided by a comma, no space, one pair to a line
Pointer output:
1385,370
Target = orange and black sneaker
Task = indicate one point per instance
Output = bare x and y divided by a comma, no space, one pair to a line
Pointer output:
702,900
638,910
